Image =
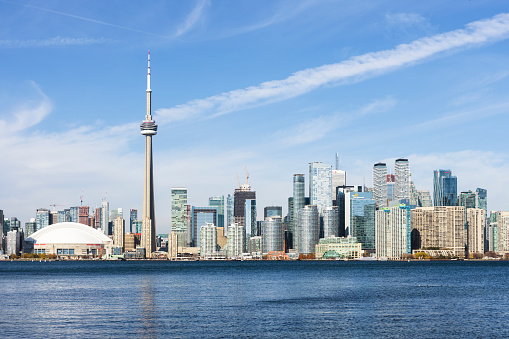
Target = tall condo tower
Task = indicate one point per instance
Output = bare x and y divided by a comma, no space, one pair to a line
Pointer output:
148,226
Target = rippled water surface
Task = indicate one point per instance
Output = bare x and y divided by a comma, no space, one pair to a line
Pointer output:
254,299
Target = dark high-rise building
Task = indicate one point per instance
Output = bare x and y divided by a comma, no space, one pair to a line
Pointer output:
83,212
239,203
445,188
133,215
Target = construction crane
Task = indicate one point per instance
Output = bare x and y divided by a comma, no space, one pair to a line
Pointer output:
55,206
247,174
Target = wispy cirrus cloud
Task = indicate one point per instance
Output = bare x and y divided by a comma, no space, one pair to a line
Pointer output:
193,18
354,69
407,19
52,42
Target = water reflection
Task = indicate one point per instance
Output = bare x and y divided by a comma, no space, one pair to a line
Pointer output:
148,309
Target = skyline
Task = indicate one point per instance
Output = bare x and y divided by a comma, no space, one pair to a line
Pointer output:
288,89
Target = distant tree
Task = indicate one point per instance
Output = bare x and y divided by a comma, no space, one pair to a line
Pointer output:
13,256
476,255
422,255
491,254
407,256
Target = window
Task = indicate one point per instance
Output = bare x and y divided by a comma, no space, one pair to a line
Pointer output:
59,251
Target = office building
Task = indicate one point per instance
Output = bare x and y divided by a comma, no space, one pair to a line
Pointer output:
201,216
308,229
330,218
272,234
380,184
105,217
208,240
179,214
236,241
273,211
391,188
424,199
392,232
74,214
320,186
42,218
2,230
444,188
218,202
254,245
133,215
297,202
250,218
441,227
493,232
30,227
119,233
338,180
361,216
402,176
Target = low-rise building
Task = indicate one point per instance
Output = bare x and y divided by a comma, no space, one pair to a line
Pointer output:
338,247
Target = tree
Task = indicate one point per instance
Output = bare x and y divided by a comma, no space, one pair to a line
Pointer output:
422,255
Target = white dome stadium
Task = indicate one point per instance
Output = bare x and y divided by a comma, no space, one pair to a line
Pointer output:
70,238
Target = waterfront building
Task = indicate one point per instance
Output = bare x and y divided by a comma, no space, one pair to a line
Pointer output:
330,218
201,216
334,247
493,232
297,202
208,240
179,214
272,234
14,241
362,218
402,176
119,233
308,229
221,238
130,242
444,188
42,218
230,208
320,186
441,227
2,230
236,240
250,218
148,129
218,201
133,215
503,232
476,220
254,245
380,184
172,245
393,232
69,239
105,218
30,227
272,211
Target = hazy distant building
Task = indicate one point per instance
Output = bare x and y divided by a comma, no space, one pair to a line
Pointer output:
272,234
272,211
392,232
133,215
308,230
105,218
30,227
444,188
179,214
320,186
330,217
338,180
218,201
380,184
42,218
402,176
14,241
236,240
201,216
391,188
119,233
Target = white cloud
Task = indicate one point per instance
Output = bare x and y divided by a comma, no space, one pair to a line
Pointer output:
192,18
407,19
363,66
51,42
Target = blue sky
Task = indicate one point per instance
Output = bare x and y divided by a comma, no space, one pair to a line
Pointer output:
271,85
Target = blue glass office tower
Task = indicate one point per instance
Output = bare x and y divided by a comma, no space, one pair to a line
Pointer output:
200,216
445,188
362,218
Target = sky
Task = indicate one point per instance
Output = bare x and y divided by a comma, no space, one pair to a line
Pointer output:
265,85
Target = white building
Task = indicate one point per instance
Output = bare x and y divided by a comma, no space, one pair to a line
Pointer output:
105,217
392,232
208,240
476,218
14,242
503,232
380,184
402,176
119,233
236,240
320,186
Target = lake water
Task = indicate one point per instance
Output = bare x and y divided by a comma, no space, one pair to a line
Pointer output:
254,299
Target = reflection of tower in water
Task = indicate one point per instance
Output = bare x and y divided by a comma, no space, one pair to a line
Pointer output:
148,313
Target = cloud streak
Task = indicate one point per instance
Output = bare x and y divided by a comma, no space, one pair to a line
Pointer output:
359,67
192,18
52,42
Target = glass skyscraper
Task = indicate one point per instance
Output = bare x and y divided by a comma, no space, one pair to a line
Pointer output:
42,218
179,214
445,189
133,215
362,222
218,202
229,212
309,229
201,216
320,185
272,211
298,202
250,217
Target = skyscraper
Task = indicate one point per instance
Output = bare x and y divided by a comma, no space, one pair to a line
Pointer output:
402,176
272,234
330,222
236,240
391,188
362,218
218,201
42,218
133,215
239,212
298,202
272,211
82,215
392,232
148,129
320,186
338,180
179,214
105,217
309,229
229,212
208,240
201,216
444,188
250,217
380,184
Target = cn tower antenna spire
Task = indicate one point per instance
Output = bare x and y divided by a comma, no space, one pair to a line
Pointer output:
148,74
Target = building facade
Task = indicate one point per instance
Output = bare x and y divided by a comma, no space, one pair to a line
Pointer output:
362,219
179,214
201,216
380,184
272,234
308,228
445,189
330,218
320,186
236,241
334,247
208,240
402,179
393,232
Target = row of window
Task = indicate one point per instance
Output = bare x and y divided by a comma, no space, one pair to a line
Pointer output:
65,251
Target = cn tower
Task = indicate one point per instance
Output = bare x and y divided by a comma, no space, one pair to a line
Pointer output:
148,226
